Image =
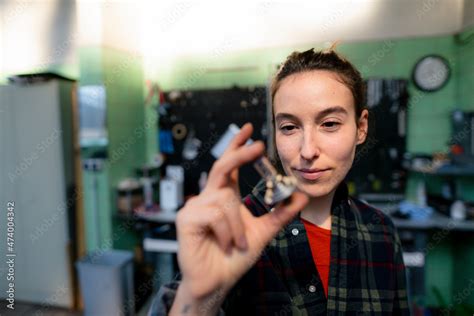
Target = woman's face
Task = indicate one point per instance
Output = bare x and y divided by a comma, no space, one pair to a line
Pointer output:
315,130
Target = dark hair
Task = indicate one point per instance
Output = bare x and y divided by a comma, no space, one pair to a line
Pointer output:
298,62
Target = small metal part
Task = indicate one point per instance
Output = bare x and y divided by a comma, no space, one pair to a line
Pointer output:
269,184
268,200
274,187
265,168
278,187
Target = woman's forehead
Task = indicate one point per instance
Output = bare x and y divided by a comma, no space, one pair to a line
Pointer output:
312,92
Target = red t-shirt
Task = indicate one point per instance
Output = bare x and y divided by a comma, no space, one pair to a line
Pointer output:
320,243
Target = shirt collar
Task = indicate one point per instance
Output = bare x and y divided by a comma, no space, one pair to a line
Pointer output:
339,202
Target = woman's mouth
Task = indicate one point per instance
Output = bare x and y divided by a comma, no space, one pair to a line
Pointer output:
310,174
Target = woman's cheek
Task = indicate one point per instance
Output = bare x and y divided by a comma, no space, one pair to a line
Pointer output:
341,149
287,151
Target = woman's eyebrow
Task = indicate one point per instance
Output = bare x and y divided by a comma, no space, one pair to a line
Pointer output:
320,115
280,116
331,110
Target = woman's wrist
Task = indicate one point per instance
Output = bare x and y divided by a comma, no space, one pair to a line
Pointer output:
186,304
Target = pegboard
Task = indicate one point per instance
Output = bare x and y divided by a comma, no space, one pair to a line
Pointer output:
207,114
377,166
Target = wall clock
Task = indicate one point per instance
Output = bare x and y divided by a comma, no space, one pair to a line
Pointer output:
431,73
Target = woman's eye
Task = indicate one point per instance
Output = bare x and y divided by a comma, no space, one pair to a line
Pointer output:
331,125
287,128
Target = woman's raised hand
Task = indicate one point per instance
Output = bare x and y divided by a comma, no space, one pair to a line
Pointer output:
219,239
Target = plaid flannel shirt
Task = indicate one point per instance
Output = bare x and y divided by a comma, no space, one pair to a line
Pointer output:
366,276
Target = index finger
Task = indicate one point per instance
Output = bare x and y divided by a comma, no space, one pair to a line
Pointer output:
241,138
222,168
226,149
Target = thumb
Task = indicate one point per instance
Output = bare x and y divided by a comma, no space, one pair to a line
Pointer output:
283,213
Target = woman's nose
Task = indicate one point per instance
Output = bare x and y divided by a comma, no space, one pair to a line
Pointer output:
309,148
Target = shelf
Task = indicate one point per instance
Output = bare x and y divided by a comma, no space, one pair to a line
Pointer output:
436,221
155,217
158,217
160,245
451,170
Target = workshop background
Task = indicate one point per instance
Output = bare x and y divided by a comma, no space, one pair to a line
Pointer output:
109,111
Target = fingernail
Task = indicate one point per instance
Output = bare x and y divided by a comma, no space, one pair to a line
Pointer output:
243,242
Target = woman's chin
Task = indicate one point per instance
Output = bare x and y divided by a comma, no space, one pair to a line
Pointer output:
314,190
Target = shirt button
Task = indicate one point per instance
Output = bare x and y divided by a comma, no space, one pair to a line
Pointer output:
312,288
295,231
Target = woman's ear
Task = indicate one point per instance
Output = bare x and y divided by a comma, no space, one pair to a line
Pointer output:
363,127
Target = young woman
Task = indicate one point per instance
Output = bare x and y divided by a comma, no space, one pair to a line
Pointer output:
321,253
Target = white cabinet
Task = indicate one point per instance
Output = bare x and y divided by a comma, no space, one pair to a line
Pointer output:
37,174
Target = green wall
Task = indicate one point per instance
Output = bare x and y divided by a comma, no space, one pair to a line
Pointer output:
462,248
122,74
465,69
465,90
